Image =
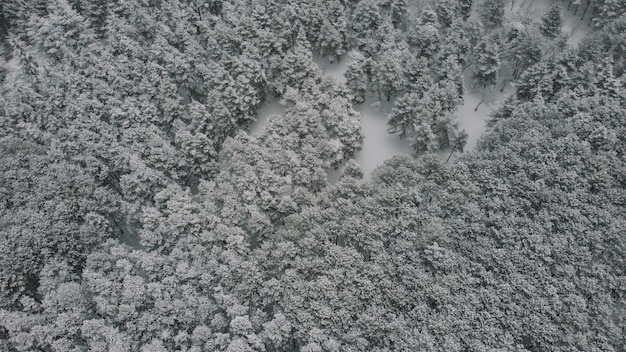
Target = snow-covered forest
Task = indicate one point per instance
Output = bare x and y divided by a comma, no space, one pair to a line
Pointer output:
313,175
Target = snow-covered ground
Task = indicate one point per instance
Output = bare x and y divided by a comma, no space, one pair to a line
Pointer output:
9,67
271,108
378,144
474,120
332,175
333,69
575,27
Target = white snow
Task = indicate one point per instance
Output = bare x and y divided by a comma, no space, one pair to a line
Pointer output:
271,108
378,144
572,24
332,175
13,64
576,28
473,120
335,69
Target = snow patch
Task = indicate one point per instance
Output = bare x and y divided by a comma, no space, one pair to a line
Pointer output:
474,113
271,108
573,25
576,28
13,64
332,175
336,69
473,120
378,144
9,67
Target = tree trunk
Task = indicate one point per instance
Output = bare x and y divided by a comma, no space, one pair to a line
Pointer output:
480,102
452,152
118,226
468,64
523,69
520,70
586,8
593,12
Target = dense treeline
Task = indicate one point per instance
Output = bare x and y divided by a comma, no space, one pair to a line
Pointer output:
139,215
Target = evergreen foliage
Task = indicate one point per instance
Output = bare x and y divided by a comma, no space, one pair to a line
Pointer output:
492,13
137,212
551,22
487,64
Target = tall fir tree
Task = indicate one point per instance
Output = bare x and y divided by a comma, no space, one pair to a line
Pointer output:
465,8
492,13
551,22
488,64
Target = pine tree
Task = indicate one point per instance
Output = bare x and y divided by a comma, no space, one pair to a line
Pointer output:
388,73
492,13
428,17
358,76
446,11
608,11
403,115
615,40
488,64
424,39
465,8
523,49
551,22
366,17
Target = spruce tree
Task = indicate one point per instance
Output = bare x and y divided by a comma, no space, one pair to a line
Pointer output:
488,64
551,22
465,8
492,13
